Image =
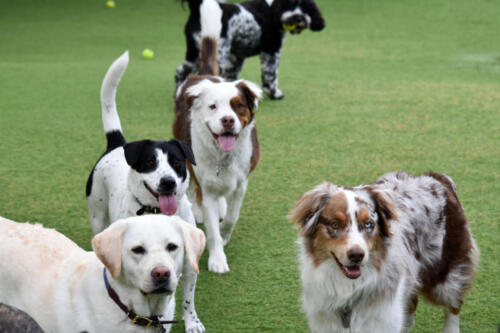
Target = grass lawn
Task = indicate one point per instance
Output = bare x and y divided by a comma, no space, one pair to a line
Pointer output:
388,85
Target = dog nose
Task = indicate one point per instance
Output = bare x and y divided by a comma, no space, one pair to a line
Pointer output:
227,122
167,185
160,275
356,254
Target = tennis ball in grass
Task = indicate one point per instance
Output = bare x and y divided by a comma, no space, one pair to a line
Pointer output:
148,54
110,4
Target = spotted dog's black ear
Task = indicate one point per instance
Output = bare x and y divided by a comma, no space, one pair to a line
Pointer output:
137,155
309,207
186,150
385,208
311,9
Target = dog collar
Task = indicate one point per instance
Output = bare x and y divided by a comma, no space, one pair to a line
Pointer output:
145,322
146,209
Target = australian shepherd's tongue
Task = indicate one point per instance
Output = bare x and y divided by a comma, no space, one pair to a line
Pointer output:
168,204
227,142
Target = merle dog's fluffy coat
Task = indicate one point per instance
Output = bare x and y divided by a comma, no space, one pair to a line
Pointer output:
255,27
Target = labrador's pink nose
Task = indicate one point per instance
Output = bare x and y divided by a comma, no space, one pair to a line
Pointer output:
160,274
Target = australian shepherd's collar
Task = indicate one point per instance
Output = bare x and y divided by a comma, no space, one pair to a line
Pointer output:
255,27
367,253
217,119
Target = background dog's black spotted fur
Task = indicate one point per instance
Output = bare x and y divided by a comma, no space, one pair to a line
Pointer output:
255,27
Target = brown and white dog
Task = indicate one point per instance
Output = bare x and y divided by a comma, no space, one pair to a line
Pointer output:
217,119
368,251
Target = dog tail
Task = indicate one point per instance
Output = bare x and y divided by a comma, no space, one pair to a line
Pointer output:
110,119
211,26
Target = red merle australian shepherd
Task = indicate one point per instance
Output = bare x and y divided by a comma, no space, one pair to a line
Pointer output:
367,253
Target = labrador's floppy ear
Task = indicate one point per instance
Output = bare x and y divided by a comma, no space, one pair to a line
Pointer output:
194,242
308,208
107,246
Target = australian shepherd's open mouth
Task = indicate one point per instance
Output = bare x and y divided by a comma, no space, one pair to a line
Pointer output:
352,272
226,140
166,201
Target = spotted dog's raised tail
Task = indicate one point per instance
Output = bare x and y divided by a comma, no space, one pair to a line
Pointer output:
211,26
110,119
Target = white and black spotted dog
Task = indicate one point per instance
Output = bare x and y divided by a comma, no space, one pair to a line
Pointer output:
140,177
255,27
368,251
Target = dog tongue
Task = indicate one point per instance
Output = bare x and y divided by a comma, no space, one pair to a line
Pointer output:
227,142
168,204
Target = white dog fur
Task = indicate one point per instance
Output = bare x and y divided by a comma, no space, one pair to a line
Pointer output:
62,287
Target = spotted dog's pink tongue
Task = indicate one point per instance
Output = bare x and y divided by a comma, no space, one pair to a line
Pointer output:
168,204
227,142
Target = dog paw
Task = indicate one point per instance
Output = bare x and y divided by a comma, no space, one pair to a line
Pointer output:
218,263
195,327
274,94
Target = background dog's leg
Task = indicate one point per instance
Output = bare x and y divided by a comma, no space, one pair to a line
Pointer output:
234,202
269,63
217,261
452,321
232,67
188,282
222,207
190,64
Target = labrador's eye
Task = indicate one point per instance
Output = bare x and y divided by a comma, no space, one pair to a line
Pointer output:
213,106
171,247
139,250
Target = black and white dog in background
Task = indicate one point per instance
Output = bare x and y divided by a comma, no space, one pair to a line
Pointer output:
140,177
250,28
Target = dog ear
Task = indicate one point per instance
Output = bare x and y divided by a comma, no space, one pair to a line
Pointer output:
385,208
311,9
134,150
186,150
107,246
251,91
309,207
194,242
194,92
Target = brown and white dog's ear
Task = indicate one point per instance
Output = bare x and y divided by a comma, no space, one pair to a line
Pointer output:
385,208
309,207
107,246
194,242
251,91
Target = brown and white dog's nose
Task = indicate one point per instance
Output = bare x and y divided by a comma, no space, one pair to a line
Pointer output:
227,122
356,255
160,275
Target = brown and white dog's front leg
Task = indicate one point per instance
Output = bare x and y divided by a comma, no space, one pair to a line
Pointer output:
269,63
217,261
234,202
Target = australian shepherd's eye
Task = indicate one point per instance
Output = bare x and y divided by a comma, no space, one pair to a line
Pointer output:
212,106
368,226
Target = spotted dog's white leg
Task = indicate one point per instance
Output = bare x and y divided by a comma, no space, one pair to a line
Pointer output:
217,261
234,202
452,322
269,72
233,67
188,281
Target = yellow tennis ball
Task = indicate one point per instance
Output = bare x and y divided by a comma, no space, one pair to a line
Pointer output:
110,4
148,54
289,27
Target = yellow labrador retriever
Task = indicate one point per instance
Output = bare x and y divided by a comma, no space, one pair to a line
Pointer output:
127,285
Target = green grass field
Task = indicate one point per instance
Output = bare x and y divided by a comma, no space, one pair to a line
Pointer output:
388,85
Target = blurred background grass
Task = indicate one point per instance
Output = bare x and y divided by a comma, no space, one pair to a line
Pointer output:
388,85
